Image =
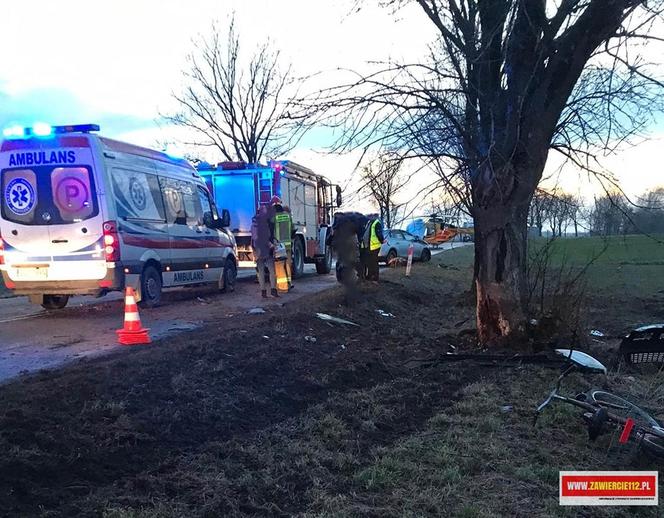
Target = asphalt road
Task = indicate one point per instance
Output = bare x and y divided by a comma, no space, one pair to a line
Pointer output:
32,339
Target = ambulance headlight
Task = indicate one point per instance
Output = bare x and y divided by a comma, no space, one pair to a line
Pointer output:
41,129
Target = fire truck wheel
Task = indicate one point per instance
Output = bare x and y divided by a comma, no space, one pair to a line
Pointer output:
324,264
298,259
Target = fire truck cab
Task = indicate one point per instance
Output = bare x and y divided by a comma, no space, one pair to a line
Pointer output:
242,188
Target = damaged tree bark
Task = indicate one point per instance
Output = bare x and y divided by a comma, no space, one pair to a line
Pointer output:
500,256
500,217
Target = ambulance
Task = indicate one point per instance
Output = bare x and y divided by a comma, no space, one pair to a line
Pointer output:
82,214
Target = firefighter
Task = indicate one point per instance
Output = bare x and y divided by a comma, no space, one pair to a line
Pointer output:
262,237
282,222
372,240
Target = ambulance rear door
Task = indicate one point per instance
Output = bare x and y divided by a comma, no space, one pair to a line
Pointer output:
51,212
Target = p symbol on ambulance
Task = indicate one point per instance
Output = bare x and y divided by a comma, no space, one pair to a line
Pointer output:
71,194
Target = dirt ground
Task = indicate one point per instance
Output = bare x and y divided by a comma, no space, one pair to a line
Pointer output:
285,414
33,339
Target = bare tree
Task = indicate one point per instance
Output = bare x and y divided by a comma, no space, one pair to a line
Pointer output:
611,215
506,81
382,179
576,212
562,211
539,211
243,110
649,214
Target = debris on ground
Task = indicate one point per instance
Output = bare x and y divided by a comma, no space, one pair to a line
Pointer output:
595,332
311,339
256,311
184,326
336,320
384,313
644,344
265,337
506,408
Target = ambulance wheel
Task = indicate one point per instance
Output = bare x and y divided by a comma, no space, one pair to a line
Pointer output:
230,276
150,287
324,264
298,259
55,301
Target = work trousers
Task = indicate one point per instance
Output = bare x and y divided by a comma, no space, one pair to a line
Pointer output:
261,264
369,259
289,264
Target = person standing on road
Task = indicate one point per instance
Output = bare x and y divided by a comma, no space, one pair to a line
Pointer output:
262,238
372,240
283,233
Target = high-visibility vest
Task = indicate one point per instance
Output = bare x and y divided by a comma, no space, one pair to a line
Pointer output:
282,228
375,243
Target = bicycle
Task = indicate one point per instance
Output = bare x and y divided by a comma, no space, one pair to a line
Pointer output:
601,409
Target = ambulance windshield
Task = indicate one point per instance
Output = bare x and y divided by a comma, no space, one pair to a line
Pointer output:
48,195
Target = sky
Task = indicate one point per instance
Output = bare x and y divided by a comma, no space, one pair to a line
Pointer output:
118,63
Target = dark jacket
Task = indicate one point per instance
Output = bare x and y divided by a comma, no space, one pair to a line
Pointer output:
262,233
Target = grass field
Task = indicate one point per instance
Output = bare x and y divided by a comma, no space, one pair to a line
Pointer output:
624,278
619,263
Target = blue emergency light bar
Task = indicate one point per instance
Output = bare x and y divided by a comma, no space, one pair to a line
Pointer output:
41,129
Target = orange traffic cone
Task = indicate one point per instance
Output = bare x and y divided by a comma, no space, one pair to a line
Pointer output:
132,333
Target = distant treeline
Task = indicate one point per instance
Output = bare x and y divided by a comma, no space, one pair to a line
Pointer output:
611,214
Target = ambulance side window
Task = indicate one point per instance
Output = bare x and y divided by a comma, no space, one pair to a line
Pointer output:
173,201
206,206
183,206
192,205
137,196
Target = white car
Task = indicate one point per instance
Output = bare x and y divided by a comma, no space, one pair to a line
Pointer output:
396,245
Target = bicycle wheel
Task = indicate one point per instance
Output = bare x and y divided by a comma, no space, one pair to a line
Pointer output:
653,444
623,408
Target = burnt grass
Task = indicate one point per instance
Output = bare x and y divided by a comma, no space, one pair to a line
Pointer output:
251,417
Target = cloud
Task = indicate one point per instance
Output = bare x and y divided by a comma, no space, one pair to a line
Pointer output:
59,107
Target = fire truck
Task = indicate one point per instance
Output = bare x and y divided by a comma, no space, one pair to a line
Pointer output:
242,188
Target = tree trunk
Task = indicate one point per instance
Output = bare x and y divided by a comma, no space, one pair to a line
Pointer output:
500,275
